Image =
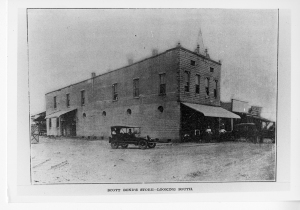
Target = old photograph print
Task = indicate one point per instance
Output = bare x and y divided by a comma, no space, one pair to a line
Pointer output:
152,95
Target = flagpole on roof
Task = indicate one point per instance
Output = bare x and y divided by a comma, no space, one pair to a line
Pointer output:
200,41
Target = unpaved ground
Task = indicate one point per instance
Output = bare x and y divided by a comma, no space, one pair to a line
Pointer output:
82,161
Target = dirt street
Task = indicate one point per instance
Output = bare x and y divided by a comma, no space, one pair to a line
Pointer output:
66,160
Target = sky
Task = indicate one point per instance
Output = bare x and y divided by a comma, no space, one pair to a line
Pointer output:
67,45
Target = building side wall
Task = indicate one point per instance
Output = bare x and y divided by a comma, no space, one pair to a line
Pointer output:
99,98
163,125
202,68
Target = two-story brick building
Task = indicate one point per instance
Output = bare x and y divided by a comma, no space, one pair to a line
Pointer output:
167,95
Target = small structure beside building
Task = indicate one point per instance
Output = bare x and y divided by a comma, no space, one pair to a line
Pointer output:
248,114
40,121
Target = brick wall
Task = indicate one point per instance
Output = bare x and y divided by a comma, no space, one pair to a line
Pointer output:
99,98
202,68
163,125
144,109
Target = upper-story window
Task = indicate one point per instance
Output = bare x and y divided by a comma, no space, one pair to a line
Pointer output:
54,102
211,69
197,84
68,100
216,89
82,97
207,86
136,91
162,84
193,63
115,91
187,81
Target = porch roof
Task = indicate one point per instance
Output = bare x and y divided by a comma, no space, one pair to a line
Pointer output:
212,111
58,113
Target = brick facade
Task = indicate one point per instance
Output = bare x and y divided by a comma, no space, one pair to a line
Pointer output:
142,110
201,68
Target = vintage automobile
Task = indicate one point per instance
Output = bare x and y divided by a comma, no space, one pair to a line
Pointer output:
269,133
125,135
247,131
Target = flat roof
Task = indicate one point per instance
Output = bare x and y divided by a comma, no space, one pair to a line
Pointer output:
182,48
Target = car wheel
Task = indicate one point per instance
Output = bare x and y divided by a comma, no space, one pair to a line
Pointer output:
273,140
143,144
251,139
261,139
151,144
114,145
124,146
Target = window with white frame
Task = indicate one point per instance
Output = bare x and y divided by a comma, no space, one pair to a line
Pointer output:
54,102
216,89
162,84
197,83
207,87
115,91
136,91
82,97
68,100
187,81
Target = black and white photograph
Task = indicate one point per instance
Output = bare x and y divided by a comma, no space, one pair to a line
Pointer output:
136,96
152,105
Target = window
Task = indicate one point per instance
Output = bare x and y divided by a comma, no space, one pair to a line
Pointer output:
115,91
211,69
207,87
193,63
136,88
57,122
54,102
68,100
84,114
82,97
187,81
104,113
50,123
197,82
129,111
162,84
216,89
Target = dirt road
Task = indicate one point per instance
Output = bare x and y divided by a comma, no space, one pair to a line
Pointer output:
81,161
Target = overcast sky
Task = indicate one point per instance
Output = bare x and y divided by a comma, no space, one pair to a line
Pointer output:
65,46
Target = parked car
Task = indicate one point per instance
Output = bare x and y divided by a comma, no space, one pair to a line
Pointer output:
125,135
269,134
248,131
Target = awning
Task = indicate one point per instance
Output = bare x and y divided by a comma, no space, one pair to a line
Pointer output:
212,111
59,113
39,117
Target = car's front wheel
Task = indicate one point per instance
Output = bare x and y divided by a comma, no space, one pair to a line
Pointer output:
114,145
143,144
151,144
